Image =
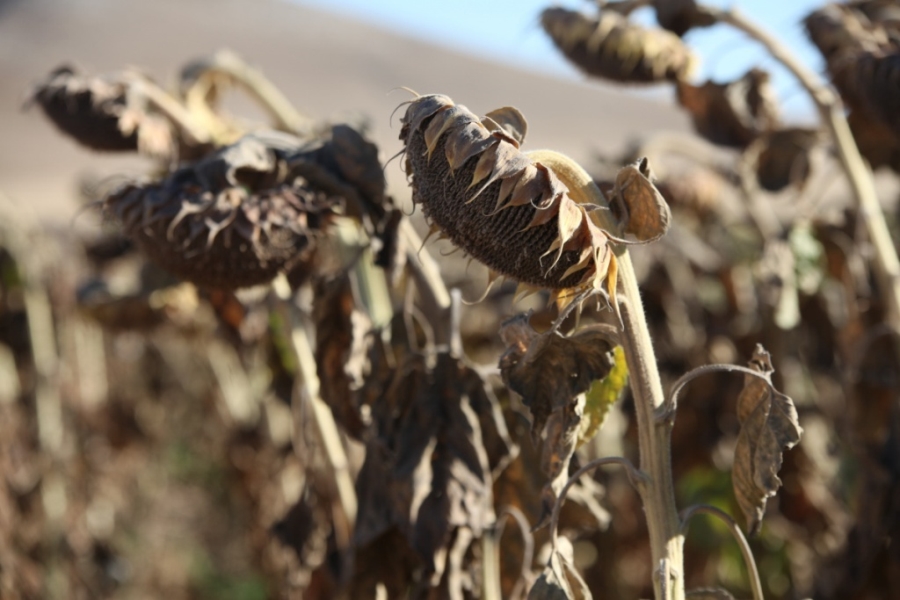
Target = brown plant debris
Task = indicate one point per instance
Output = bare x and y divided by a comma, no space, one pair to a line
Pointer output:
490,199
769,425
103,113
234,219
612,47
645,213
552,373
439,442
560,580
783,157
733,113
680,16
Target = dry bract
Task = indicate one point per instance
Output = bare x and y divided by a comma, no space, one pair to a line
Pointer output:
612,47
235,219
490,199
103,113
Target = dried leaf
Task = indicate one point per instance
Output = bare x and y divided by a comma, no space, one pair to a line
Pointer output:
784,157
769,425
734,113
560,580
548,370
645,212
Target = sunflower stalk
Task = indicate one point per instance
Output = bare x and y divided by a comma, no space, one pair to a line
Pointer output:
657,491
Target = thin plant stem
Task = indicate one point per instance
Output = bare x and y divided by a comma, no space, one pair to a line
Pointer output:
527,541
658,492
637,479
752,571
667,412
887,265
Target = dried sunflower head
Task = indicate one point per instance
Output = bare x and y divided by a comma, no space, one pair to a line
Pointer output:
234,219
509,212
733,113
612,47
102,113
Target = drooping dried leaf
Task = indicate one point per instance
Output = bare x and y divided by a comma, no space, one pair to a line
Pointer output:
612,47
734,113
769,425
234,219
441,442
342,351
548,370
879,145
560,580
504,209
680,16
103,113
645,212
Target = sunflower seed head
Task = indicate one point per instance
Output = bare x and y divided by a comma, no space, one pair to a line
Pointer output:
612,47
234,219
507,211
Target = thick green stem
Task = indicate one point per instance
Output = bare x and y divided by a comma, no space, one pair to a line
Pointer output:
658,492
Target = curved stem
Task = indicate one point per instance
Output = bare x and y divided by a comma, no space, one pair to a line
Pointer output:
281,110
172,108
667,412
658,493
527,541
752,572
637,479
858,174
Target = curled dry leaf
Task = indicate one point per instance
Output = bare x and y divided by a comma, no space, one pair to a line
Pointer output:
234,219
644,210
509,212
769,425
612,47
552,373
103,113
734,113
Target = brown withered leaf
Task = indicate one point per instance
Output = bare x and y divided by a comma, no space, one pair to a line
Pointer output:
439,440
645,212
733,113
769,425
342,351
548,369
560,580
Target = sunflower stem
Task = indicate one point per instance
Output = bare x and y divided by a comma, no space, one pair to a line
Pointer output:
657,492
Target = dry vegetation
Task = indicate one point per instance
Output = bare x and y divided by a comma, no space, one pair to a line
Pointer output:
258,381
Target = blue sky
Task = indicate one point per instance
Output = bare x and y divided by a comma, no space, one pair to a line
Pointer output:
508,31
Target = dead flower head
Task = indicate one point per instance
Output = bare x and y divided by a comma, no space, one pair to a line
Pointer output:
612,47
509,212
234,219
102,113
